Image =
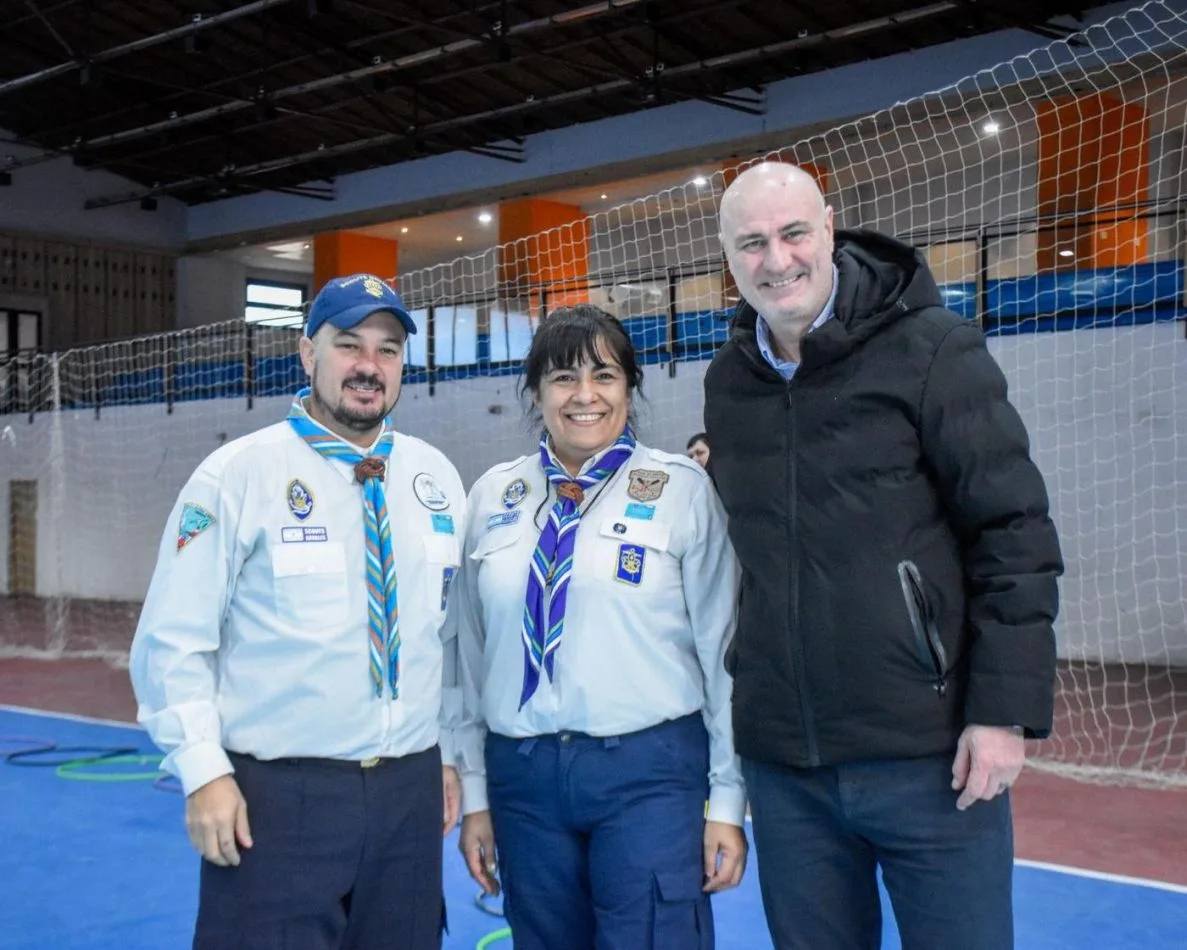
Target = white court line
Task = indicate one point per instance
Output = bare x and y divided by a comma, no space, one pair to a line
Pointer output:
1103,876
45,713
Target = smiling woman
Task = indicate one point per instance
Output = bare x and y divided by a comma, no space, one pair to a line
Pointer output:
581,374
631,717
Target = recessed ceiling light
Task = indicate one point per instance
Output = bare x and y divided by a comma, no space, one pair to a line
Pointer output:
458,238
485,217
1067,252
991,127
403,230
700,181
604,197
306,246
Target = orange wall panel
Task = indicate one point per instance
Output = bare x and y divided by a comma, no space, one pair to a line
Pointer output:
341,253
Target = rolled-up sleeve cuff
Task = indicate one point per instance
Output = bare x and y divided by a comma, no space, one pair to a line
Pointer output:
198,765
474,794
727,803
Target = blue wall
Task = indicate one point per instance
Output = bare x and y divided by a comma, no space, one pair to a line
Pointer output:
1113,297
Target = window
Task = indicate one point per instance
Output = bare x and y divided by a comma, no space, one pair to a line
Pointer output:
274,304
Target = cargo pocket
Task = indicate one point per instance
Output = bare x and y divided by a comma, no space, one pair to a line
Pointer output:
680,919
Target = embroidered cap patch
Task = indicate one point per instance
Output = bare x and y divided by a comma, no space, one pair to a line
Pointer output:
630,563
194,520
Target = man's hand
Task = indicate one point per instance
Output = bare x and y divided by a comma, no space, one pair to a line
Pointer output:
477,845
988,760
216,821
725,856
451,786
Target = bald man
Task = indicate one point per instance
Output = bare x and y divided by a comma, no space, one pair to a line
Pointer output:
894,644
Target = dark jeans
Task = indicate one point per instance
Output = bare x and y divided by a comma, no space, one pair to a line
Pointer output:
344,858
821,834
600,840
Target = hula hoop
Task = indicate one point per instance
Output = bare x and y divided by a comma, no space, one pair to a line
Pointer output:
493,938
74,770
39,758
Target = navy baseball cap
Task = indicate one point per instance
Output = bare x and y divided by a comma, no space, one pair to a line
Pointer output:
345,302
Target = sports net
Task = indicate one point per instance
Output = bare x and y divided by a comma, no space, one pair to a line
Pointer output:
1048,194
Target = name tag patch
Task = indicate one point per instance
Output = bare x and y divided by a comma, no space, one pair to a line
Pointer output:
630,564
502,519
302,534
640,512
443,524
447,576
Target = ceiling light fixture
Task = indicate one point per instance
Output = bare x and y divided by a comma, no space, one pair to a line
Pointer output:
485,217
458,238
604,197
403,230
700,181
1067,252
991,127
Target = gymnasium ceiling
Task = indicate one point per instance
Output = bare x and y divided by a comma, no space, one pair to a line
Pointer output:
207,99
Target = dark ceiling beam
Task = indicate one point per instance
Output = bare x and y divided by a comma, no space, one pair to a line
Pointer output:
846,33
377,68
198,23
605,47
50,27
237,79
9,25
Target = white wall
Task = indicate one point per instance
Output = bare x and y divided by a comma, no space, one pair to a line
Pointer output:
212,288
1106,409
47,200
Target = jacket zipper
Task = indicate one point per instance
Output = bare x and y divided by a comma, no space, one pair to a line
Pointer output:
798,672
923,624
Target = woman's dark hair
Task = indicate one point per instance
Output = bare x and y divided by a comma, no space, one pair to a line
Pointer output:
570,336
699,437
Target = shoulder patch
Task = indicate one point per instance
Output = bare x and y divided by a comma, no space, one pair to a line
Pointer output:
194,520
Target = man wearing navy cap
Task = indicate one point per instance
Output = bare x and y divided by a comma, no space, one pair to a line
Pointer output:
289,659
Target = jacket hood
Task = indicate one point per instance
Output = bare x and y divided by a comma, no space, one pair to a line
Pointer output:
880,280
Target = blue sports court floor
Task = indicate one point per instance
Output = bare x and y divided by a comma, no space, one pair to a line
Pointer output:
97,864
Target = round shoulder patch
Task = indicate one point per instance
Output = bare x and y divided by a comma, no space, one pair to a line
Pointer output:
429,493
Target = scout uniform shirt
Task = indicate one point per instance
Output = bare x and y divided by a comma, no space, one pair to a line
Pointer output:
254,634
649,614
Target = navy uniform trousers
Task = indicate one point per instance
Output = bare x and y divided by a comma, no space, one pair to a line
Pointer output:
344,858
600,840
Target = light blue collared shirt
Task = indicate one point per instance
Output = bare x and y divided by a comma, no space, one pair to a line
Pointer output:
786,368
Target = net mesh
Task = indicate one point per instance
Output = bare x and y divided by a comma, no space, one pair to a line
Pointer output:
1047,194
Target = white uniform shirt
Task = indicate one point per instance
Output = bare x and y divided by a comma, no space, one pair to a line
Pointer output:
649,614
254,635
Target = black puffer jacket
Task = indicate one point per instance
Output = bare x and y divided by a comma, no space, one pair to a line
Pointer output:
899,566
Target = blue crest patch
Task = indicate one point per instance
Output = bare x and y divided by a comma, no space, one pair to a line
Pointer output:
630,564
447,576
640,512
443,524
194,520
515,493
300,500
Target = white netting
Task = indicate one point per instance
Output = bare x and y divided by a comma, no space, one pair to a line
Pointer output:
1048,193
